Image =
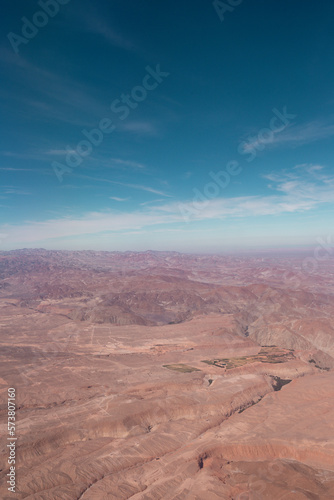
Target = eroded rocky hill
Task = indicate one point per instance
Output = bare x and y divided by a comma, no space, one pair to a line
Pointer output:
161,375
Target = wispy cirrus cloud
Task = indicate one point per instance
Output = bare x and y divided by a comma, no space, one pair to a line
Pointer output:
147,128
36,170
58,93
293,136
127,163
306,181
89,223
116,198
94,22
140,187
16,191
144,203
58,152
98,26
27,155
305,133
292,192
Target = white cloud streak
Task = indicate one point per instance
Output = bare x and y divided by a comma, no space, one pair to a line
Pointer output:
140,187
128,163
293,193
116,198
294,136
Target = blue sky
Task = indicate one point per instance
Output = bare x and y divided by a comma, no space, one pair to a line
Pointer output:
206,128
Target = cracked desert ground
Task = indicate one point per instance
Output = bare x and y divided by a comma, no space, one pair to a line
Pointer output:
159,375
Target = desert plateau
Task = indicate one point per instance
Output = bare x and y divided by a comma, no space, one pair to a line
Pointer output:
161,375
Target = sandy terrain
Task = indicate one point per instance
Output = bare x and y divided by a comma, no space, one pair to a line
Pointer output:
154,376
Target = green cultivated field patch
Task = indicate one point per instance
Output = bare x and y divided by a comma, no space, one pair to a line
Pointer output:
268,354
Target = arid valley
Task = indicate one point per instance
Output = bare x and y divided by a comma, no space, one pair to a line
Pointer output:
168,376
